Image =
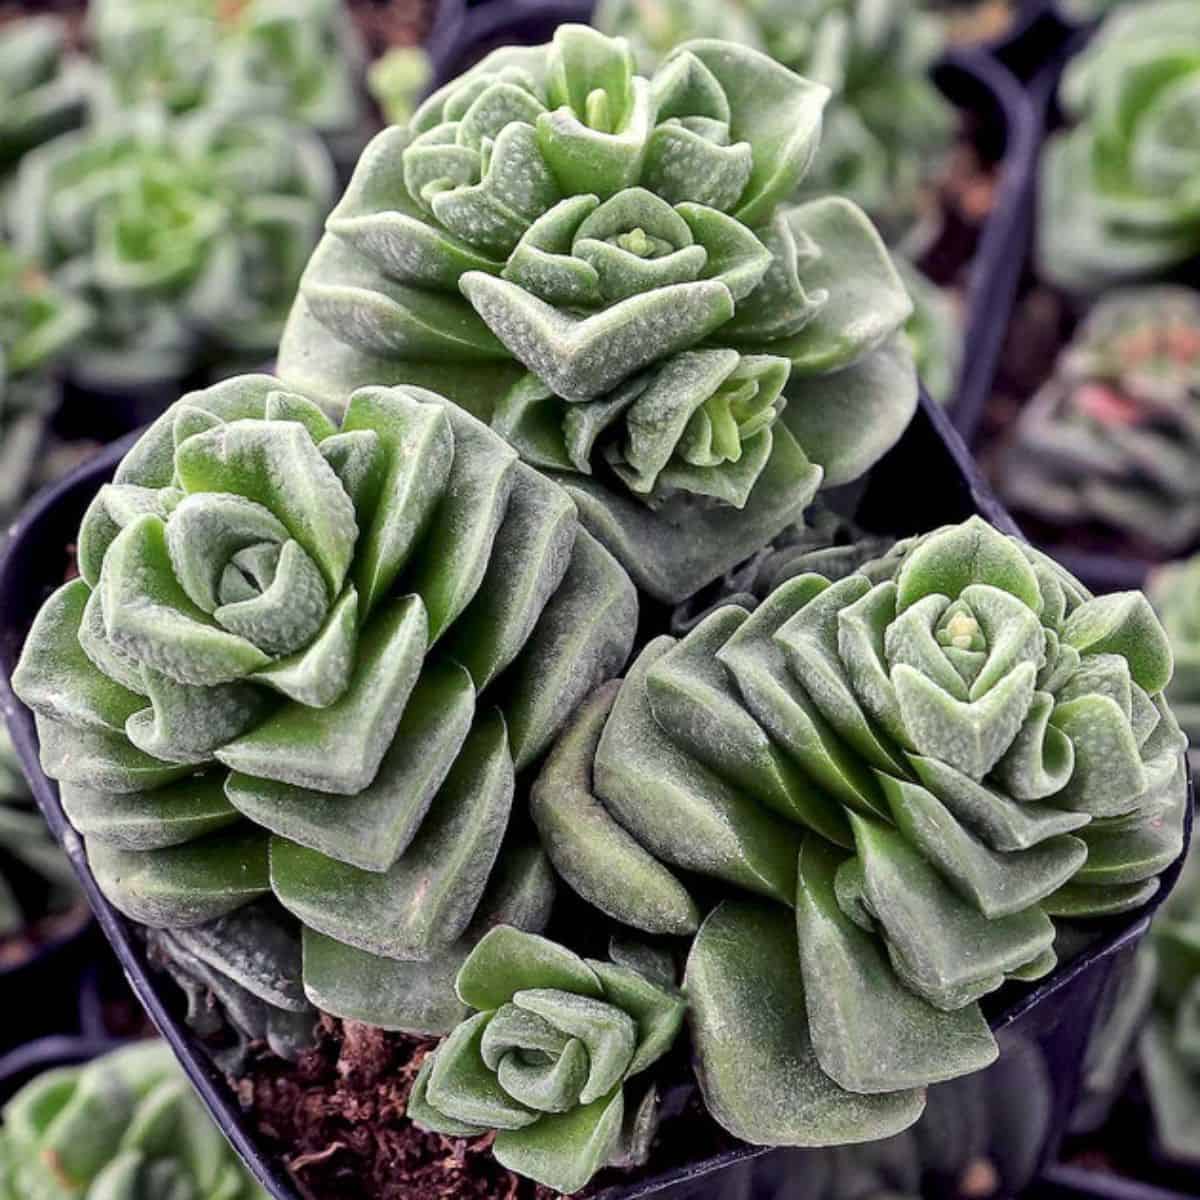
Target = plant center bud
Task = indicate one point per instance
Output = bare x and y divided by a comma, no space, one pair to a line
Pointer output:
962,630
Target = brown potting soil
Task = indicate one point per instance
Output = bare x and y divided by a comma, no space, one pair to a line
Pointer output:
337,1121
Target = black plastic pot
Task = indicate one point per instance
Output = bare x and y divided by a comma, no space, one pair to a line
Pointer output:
1005,129
1053,1018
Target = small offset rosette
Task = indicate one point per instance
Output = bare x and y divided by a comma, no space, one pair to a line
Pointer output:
554,1059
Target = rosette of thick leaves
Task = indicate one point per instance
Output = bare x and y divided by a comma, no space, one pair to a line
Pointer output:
926,762
551,1058
1174,590
1113,438
1120,191
602,266
1170,1044
186,236
123,1127
43,91
309,659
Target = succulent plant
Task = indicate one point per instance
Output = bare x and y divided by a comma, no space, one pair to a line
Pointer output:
603,266
38,325
1113,438
888,128
186,236
35,878
928,762
294,59
1120,190
43,90
309,660
549,1057
123,1126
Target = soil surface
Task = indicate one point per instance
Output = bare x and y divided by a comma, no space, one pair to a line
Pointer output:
337,1121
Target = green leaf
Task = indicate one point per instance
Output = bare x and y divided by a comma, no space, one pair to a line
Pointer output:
508,961
870,1033
422,904
677,808
184,885
595,855
756,1064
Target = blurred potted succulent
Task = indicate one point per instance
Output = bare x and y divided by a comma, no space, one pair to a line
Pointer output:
608,270
1108,450
44,90
1118,188
301,60
185,236
124,1124
39,325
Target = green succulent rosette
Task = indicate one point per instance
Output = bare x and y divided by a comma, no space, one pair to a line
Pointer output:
44,91
901,778
1120,190
309,660
604,267
1112,440
185,236
123,1127
294,59
887,129
553,1058
1169,1050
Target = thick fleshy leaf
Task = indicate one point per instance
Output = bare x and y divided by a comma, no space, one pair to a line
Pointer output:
373,827
184,885
423,903
508,961
756,1063
595,855
870,1033
679,809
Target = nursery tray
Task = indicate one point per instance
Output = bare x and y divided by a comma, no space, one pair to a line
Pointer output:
1004,129
1053,1017
1064,1182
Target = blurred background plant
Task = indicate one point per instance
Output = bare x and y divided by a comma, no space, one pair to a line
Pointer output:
1110,446
40,900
